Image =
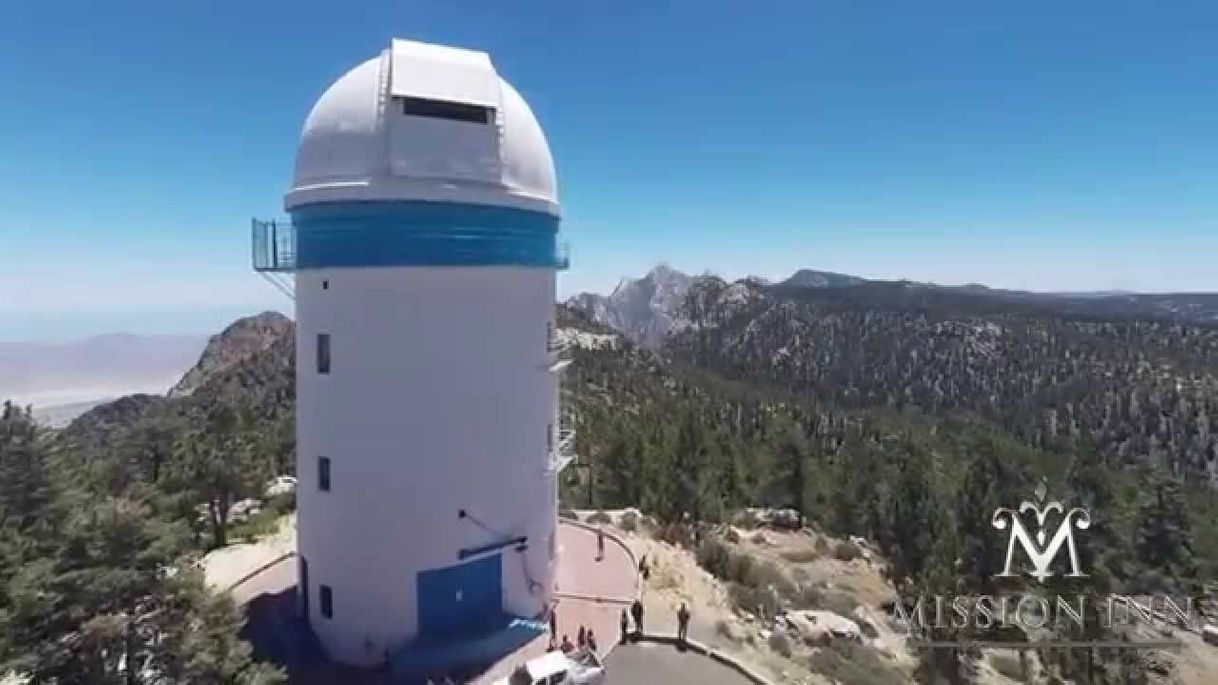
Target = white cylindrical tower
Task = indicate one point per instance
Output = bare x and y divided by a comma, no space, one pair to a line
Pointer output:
424,244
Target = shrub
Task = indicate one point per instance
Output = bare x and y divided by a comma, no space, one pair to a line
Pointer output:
821,546
763,602
808,597
265,522
727,630
568,514
768,574
779,642
845,550
283,503
1009,665
600,518
840,603
675,534
629,522
847,662
740,568
715,556
745,519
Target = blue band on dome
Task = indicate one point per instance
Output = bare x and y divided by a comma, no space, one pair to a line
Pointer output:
351,234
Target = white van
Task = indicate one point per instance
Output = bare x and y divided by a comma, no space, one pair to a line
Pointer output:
556,668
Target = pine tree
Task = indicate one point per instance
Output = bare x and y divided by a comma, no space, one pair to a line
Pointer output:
621,467
686,473
1165,542
791,468
1091,485
919,518
989,483
217,463
25,483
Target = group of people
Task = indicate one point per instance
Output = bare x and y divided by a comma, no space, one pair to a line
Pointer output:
585,639
636,613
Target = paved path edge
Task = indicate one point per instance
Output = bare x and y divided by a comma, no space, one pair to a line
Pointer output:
258,571
713,654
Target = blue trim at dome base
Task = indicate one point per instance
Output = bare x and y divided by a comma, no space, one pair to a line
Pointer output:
355,234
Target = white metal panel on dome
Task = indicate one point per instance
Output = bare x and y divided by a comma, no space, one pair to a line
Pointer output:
424,147
437,146
439,72
402,127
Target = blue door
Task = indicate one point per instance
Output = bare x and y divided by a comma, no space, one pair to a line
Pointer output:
466,598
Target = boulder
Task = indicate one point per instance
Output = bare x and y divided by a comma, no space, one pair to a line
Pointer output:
820,628
862,545
786,519
280,485
243,509
863,618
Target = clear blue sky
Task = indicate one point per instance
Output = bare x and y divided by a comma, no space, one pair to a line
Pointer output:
1043,145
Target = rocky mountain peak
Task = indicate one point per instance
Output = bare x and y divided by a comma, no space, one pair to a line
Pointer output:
643,308
238,342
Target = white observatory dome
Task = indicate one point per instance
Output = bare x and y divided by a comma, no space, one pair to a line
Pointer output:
426,123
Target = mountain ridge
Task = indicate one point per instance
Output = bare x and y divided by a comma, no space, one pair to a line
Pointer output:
649,308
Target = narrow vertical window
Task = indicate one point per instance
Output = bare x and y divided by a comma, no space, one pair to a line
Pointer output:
323,474
326,599
323,353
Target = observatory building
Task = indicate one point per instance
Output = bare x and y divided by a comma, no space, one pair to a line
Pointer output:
424,249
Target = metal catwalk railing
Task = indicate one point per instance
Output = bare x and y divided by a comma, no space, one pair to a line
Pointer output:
274,246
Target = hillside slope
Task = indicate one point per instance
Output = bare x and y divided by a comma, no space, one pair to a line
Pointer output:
1142,389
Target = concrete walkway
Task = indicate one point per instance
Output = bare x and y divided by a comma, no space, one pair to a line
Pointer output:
591,592
228,566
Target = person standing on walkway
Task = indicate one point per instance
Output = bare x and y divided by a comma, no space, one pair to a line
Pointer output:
636,611
581,638
554,622
683,623
625,625
600,543
592,642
